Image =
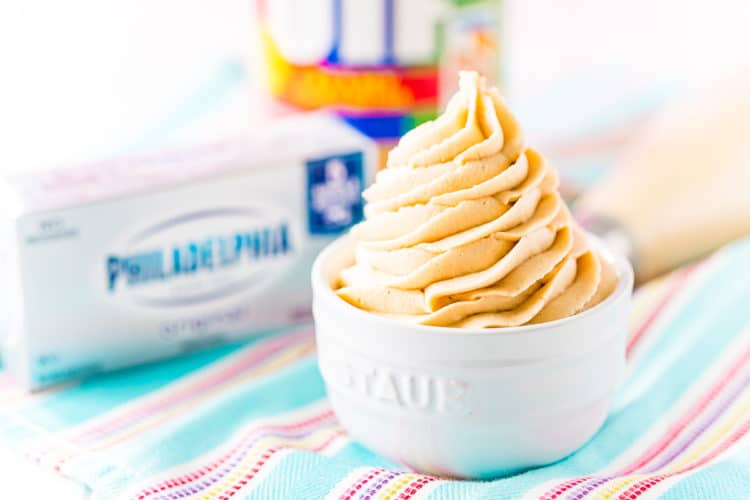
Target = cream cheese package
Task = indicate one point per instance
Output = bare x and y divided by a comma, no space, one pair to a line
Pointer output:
146,257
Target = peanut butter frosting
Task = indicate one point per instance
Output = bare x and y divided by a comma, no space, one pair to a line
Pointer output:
466,228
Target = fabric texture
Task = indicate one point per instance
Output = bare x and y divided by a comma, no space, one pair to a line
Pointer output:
252,420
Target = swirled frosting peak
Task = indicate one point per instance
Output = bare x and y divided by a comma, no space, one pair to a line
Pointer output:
465,227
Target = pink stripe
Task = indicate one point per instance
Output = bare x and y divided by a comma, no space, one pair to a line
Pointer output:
184,479
162,491
679,281
242,481
671,434
378,479
253,358
365,478
703,425
416,485
642,486
247,477
653,451
562,488
248,360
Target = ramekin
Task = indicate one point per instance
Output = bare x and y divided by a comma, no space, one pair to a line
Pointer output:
470,403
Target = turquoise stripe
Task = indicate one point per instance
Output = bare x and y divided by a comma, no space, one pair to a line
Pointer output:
727,292
102,392
208,425
728,479
358,454
691,341
305,475
302,475
726,284
98,394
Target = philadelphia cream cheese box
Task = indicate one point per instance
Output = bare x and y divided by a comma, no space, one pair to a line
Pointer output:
149,256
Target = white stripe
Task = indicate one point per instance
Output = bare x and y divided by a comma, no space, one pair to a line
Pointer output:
264,471
697,389
66,438
708,377
698,444
718,423
668,483
240,435
23,479
188,380
14,399
658,327
336,445
346,482
428,489
641,382
663,486
672,310
645,301
158,395
540,489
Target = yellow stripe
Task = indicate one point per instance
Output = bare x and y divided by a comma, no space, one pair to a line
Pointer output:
699,450
607,490
268,367
309,442
280,360
390,490
647,297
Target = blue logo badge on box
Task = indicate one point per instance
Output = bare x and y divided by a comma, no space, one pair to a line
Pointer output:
334,193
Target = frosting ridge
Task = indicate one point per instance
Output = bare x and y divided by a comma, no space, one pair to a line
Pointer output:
465,227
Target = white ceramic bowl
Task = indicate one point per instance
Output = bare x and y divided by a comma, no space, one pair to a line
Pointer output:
474,403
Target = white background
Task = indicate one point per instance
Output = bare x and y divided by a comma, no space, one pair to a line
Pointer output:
82,79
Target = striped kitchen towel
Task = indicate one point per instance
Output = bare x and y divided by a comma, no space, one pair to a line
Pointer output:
252,420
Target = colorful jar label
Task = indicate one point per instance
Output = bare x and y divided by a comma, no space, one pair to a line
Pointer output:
383,65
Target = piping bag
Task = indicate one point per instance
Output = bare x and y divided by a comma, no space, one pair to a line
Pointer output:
682,189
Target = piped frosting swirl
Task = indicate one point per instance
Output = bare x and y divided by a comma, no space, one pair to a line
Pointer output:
465,227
